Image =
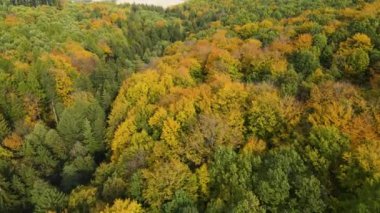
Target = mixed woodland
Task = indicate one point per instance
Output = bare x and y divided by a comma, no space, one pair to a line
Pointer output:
208,106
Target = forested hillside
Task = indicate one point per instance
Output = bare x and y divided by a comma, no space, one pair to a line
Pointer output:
209,106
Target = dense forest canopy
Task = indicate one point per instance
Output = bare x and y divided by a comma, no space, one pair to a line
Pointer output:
208,106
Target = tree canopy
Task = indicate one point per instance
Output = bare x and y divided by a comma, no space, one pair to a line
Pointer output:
207,106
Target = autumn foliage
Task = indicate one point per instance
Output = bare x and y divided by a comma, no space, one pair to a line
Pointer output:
209,106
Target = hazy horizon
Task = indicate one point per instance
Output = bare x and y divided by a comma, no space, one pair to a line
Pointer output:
163,3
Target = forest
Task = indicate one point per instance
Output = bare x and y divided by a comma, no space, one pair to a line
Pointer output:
209,106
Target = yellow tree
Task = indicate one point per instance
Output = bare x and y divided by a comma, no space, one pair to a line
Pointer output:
163,179
333,104
221,61
124,206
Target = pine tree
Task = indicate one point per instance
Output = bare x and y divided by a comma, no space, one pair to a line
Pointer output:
89,141
47,198
4,128
7,198
77,172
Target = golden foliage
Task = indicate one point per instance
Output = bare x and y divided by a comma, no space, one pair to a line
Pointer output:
105,48
82,196
24,67
12,20
139,90
32,109
251,49
279,67
81,59
221,61
122,136
375,80
118,15
64,86
291,111
362,165
361,40
367,155
220,41
158,118
254,146
60,60
304,41
266,23
13,142
281,45
362,128
216,24
99,23
333,104
163,179
170,134
124,206
332,26
203,178
247,30
161,23
349,13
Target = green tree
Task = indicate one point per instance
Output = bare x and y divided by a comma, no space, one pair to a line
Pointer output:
305,62
289,82
181,203
357,62
136,186
85,116
114,188
4,127
43,150
47,198
230,183
324,149
8,200
282,172
320,41
77,172
352,57
365,199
